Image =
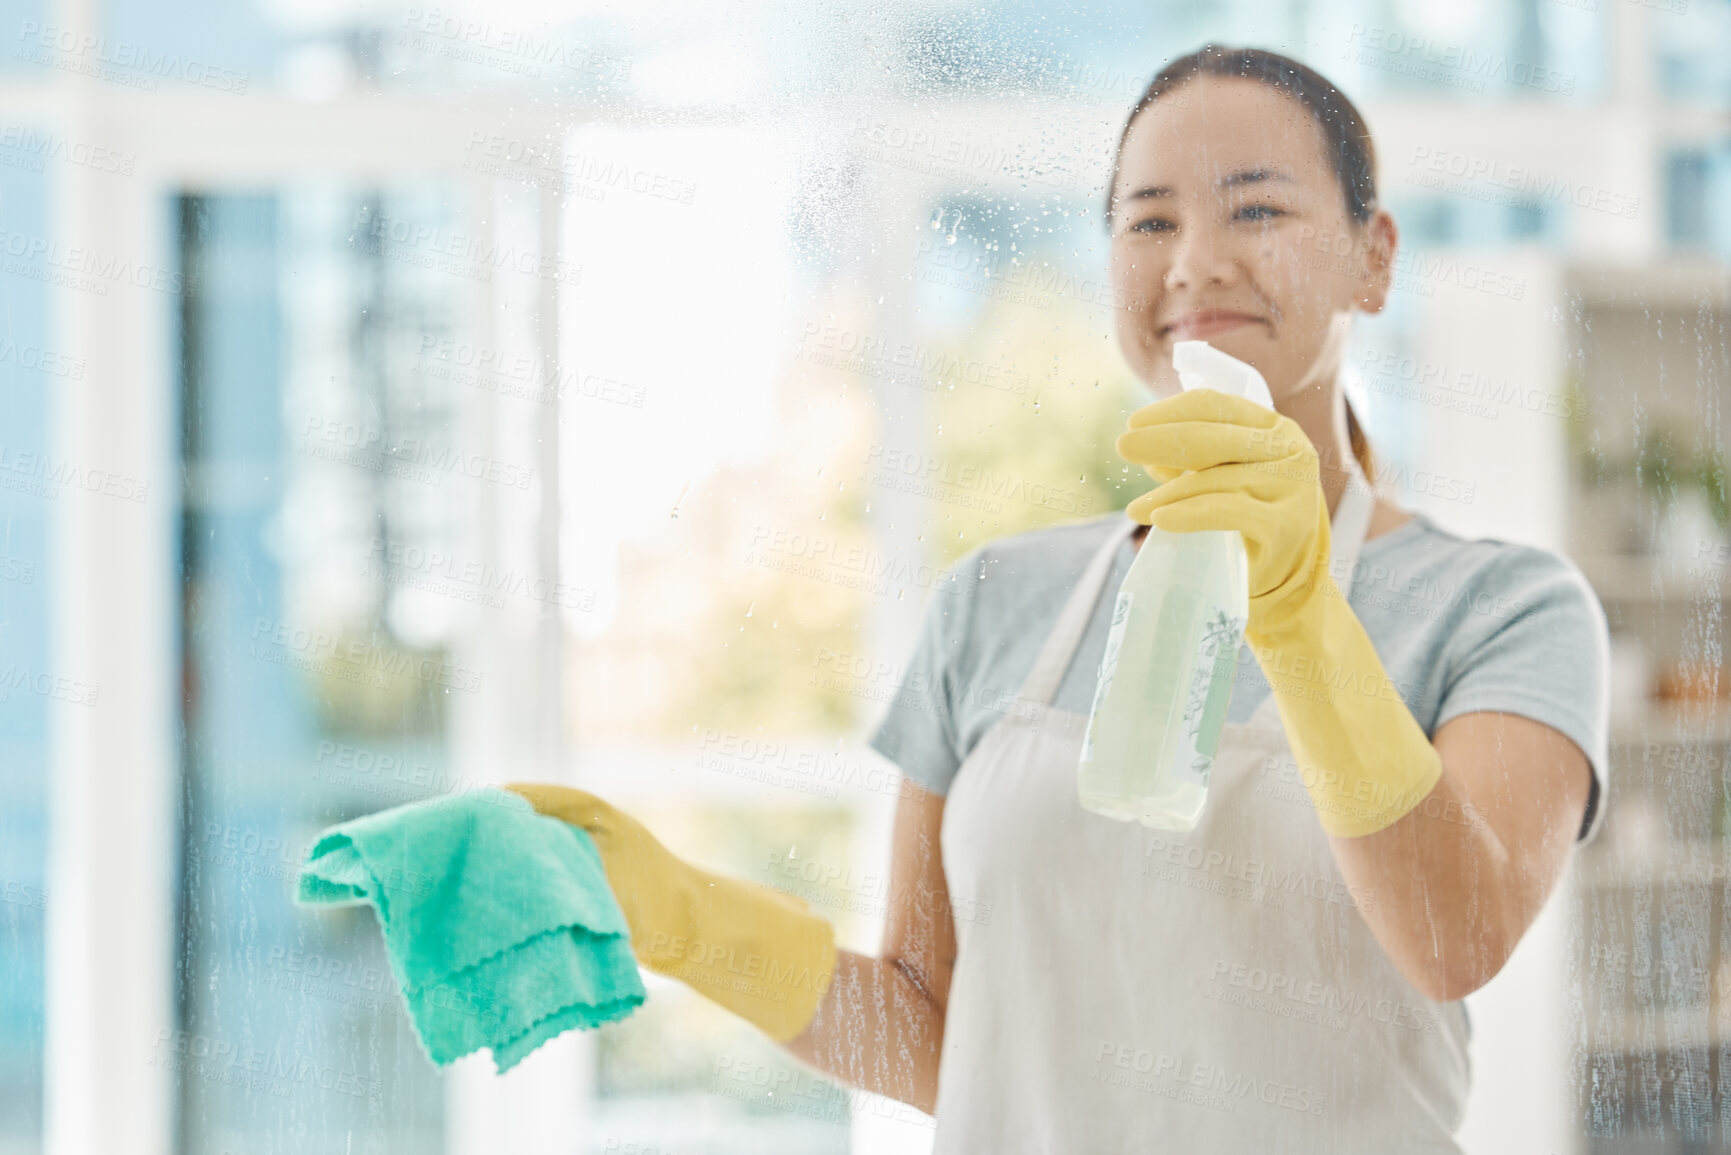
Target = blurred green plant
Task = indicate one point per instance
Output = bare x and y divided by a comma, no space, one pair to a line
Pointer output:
370,685
1042,448
1660,465
1664,469
1582,435
1711,477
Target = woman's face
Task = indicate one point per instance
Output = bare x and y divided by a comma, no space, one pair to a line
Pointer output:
1230,226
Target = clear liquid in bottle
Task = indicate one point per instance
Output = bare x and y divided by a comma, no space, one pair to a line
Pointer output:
1172,654
1166,680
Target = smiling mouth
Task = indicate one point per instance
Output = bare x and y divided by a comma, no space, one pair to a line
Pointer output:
1205,323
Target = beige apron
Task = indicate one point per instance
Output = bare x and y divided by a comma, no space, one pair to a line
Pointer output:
1121,989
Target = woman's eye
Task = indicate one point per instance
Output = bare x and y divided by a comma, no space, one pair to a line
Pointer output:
1258,213
1153,225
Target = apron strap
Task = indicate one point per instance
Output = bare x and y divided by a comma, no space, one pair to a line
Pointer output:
1041,685
1350,524
1347,530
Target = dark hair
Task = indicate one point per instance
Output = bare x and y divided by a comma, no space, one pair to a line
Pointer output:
1348,142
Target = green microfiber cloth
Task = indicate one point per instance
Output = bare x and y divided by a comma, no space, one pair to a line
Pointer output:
499,922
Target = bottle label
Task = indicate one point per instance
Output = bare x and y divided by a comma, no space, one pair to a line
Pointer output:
1108,667
1210,691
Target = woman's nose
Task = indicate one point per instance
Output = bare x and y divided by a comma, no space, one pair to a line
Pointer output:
1198,258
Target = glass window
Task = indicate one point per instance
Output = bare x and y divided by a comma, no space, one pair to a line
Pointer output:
33,372
715,411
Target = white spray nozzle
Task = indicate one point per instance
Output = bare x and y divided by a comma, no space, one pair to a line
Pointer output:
1202,366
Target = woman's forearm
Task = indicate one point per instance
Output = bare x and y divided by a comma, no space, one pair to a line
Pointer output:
1433,888
1451,887
877,1030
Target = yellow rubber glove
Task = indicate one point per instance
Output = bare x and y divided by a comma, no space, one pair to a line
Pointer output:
1361,754
758,952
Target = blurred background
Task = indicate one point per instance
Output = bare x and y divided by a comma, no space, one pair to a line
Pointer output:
398,399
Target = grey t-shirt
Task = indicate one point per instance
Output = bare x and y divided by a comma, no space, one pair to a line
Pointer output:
1460,625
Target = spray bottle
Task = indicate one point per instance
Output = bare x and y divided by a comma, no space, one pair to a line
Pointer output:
1172,653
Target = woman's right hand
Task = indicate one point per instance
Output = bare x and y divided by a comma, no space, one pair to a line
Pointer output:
633,857
756,951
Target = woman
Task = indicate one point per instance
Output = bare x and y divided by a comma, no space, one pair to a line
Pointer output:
1400,783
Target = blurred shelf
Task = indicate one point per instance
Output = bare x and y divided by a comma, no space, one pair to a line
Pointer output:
1647,1031
1681,281
1633,578
1642,885
1703,721
1682,864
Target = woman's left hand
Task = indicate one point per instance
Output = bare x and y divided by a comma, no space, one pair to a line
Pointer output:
1254,471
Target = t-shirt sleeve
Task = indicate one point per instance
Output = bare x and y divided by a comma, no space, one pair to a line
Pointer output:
1539,646
919,731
